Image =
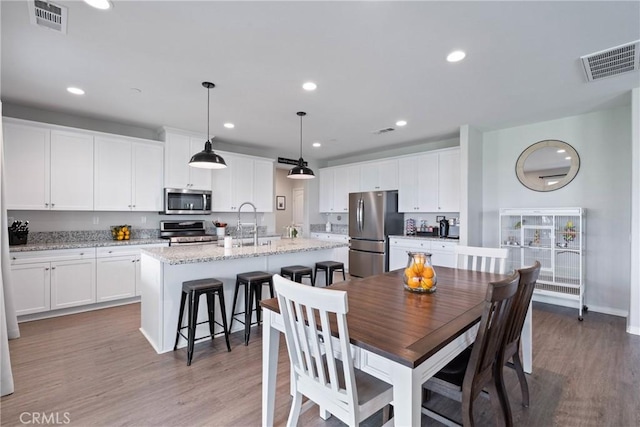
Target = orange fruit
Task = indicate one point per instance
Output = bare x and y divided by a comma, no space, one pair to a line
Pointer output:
414,282
426,283
409,273
427,273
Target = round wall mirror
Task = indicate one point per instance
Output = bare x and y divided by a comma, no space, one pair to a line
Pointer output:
547,165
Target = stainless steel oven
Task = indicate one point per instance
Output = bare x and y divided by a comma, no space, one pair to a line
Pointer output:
186,233
180,201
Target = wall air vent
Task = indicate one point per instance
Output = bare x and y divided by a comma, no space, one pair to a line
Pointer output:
48,15
381,131
611,62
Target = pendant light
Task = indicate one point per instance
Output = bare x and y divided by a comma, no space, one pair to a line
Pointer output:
207,158
301,171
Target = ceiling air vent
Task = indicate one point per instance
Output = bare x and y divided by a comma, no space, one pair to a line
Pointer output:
48,15
611,62
381,131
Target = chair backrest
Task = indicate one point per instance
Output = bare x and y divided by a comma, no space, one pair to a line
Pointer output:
317,373
492,260
488,343
528,278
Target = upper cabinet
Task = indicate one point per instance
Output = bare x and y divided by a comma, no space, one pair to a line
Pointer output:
47,169
245,179
430,182
379,175
335,185
128,175
180,146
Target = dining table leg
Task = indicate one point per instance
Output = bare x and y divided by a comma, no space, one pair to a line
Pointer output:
270,349
407,395
526,338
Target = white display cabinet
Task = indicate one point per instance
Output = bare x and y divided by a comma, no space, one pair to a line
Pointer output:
555,237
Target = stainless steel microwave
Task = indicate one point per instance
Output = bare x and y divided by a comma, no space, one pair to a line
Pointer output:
180,201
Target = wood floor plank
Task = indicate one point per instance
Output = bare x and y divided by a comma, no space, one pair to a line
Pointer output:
99,369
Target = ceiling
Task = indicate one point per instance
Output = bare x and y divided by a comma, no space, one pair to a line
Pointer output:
374,63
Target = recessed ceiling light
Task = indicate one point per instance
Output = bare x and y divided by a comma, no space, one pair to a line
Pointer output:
456,55
99,4
317,144
401,123
309,86
229,125
75,90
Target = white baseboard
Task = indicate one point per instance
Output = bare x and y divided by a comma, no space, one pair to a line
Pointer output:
634,330
575,304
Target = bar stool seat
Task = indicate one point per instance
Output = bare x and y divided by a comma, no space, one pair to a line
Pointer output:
194,289
297,272
329,267
252,282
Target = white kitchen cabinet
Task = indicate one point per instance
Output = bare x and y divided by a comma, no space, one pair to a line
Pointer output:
47,169
335,185
379,175
73,283
246,179
118,271
418,178
32,287
128,175
49,280
180,146
430,182
442,251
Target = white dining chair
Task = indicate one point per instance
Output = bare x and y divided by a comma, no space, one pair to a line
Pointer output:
492,260
333,383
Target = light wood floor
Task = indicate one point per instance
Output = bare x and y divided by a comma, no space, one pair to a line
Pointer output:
98,369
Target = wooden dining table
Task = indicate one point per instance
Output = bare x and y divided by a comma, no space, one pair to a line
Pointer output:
399,336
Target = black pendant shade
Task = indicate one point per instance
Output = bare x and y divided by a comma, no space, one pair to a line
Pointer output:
207,158
301,171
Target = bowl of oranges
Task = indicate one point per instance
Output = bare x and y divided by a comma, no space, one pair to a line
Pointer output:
121,232
419,276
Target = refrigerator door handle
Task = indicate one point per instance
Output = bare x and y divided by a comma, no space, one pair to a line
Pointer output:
360,215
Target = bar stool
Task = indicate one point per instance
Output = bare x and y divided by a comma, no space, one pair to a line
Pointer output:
252,282
329,267
194,289
297,272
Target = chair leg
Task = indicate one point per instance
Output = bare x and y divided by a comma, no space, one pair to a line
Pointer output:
193,319
344,277
233,306
183,300
467,410
330,272
296,406
223,313
211,311
517,365
248,309
258,298
313,279
499,400
273,295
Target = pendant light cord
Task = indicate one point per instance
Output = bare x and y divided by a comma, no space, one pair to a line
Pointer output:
301,136
208,105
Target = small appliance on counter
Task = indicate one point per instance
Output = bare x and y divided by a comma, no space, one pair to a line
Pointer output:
444,227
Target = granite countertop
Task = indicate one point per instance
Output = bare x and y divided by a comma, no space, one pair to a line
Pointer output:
206,253
86,244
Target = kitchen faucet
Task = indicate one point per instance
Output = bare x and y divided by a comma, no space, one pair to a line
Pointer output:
255,223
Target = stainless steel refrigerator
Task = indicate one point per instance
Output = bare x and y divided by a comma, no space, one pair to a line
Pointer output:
373,216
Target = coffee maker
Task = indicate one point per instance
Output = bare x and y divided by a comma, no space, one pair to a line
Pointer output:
444,227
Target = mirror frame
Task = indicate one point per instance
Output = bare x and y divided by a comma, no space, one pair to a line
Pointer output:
537,185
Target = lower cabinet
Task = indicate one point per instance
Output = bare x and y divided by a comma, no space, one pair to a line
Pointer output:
59,279
49,280
442,252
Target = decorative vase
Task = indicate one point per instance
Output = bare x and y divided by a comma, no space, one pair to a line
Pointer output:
419,276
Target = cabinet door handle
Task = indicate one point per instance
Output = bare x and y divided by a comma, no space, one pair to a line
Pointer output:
134,206
110,252
46,204
46,269
53,268
13,258
53,204
133,260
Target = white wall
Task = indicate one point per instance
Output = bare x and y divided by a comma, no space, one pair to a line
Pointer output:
602,186
633,321
284,187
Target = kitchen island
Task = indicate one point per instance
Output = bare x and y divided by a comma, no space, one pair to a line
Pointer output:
164,269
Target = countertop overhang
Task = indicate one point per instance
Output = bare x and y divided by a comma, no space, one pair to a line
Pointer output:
174,255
